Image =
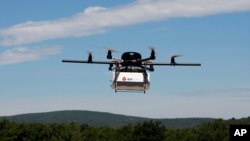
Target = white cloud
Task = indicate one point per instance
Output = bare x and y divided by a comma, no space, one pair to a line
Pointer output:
94,9
94,20
22,54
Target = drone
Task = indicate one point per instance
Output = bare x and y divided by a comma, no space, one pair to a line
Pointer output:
131,72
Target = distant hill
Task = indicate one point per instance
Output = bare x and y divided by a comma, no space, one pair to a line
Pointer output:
101,119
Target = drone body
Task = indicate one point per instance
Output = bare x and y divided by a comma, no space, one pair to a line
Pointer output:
130,73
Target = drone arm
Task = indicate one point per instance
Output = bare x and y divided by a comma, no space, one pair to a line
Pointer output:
146,59
176,64
83,61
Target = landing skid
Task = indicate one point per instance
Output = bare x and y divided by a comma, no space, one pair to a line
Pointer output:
134,91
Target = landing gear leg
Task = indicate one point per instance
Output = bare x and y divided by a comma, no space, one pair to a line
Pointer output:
145,88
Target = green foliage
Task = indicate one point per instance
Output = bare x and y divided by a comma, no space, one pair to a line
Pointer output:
217,130
12,131
239,121
149,131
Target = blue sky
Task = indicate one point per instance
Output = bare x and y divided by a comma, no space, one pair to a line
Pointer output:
35,36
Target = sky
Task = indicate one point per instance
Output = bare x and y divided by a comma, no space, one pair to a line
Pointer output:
36,35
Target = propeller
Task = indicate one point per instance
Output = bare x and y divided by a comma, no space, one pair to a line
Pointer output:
174,56
109,54
152,48
89,52
173,59
110,49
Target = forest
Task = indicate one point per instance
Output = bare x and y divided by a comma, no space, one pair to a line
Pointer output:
153,130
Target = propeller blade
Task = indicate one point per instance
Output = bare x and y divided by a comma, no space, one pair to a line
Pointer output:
152,48
174,56
110,49
90,53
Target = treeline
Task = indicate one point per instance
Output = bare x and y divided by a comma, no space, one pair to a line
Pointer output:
217,130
